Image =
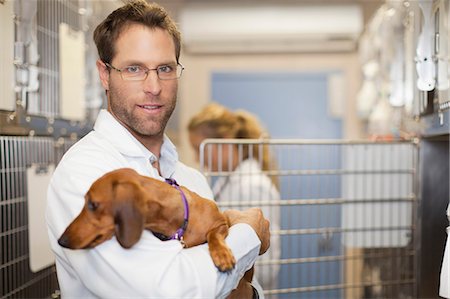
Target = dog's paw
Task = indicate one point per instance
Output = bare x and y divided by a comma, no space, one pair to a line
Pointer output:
223,259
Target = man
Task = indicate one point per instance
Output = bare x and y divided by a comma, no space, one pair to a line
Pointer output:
139,49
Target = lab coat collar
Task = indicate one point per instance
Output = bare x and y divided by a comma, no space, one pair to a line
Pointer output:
116,134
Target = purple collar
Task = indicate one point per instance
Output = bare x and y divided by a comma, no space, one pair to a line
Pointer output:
178,235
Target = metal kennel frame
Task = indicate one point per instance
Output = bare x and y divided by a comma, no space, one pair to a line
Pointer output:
17,154
32,109
348,213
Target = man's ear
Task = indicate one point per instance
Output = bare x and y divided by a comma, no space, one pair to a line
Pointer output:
103,72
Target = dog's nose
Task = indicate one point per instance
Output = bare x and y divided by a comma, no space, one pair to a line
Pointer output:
64,241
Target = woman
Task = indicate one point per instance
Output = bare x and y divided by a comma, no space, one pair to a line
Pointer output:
242,172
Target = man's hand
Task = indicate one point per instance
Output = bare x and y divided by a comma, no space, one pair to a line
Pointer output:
255,218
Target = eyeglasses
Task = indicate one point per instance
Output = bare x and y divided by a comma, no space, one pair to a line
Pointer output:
139,73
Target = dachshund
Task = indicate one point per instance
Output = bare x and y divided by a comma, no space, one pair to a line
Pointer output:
123,203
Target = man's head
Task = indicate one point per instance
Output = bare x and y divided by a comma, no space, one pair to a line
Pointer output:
137,11
139,48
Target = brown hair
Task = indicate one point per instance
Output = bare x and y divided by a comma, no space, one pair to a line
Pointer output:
135,11
216,121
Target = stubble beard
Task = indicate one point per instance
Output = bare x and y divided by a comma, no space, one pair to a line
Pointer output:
151,126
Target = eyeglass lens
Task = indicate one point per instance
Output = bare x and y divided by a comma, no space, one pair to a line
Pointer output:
166,72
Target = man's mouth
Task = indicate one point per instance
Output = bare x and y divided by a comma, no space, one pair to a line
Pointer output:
150,107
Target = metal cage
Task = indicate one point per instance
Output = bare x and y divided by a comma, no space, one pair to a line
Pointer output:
346,213
17,154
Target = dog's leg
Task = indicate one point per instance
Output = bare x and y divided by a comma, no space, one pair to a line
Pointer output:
249,274
220,253
243,290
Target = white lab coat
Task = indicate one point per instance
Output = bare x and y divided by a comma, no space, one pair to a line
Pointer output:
151,268
444,290
248,183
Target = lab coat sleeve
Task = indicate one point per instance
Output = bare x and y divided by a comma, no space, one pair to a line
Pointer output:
151,268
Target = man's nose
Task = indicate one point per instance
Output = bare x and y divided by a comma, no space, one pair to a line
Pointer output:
152,83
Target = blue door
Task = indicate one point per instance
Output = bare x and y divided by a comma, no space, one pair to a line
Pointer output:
295,105
291,105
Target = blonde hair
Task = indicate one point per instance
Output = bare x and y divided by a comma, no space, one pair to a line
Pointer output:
216,121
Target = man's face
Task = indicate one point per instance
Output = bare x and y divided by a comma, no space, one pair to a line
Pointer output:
144,107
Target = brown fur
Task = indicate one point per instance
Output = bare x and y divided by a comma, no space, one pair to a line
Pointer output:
123,203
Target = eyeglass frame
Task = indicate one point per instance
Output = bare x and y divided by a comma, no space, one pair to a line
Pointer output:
146,72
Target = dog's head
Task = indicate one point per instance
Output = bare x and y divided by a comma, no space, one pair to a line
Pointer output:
112,207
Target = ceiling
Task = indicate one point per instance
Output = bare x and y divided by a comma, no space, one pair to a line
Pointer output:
368,6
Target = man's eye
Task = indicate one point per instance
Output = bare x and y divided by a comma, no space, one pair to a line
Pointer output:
92,206
166,69
134,69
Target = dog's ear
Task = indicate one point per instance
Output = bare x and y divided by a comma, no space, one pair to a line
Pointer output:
128,218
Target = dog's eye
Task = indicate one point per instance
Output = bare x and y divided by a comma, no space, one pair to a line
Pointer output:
92,206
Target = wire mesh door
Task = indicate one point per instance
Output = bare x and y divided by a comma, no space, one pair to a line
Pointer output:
342,213
17,154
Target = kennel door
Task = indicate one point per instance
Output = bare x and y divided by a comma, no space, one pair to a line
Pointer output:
379,184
